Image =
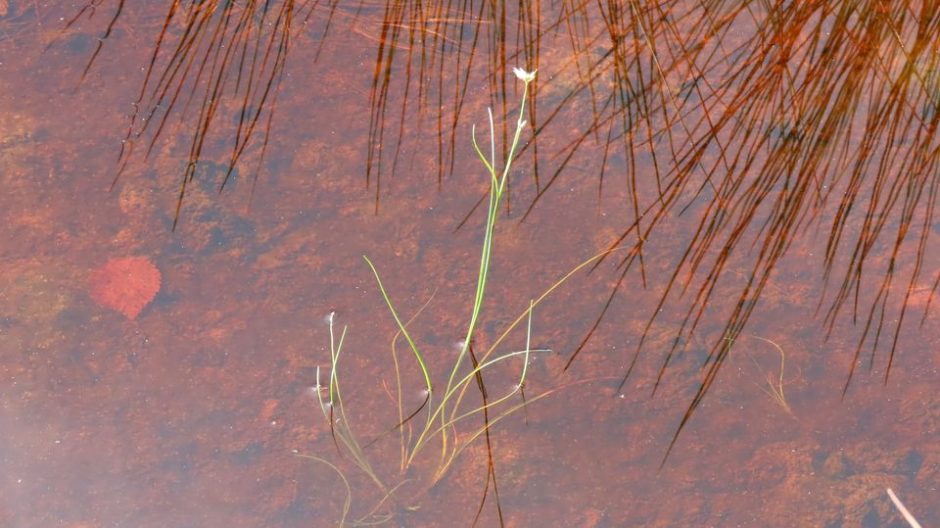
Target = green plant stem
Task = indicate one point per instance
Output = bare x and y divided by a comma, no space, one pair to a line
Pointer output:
497,186
401,327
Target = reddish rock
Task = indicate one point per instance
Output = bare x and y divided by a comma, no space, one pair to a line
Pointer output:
126,284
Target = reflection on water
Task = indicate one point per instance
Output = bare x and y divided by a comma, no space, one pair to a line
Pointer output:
766,173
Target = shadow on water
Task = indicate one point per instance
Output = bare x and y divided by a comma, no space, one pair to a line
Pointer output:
761,122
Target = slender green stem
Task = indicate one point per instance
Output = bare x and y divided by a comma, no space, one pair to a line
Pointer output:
401,327
528,342
497,186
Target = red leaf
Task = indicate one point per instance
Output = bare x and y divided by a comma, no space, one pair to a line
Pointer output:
126,284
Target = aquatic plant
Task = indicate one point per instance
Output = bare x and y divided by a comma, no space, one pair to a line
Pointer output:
774,384
445,408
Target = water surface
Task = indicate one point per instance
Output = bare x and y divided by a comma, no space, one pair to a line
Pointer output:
767,174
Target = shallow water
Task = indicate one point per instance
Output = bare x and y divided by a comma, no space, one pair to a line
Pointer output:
781,169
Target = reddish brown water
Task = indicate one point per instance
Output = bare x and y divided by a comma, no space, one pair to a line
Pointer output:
193,410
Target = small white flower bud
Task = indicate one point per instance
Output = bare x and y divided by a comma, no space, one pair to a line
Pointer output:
523,75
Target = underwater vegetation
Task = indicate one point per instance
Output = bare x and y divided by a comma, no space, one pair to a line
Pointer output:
449,421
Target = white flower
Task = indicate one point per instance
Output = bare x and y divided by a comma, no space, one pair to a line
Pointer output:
523,75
